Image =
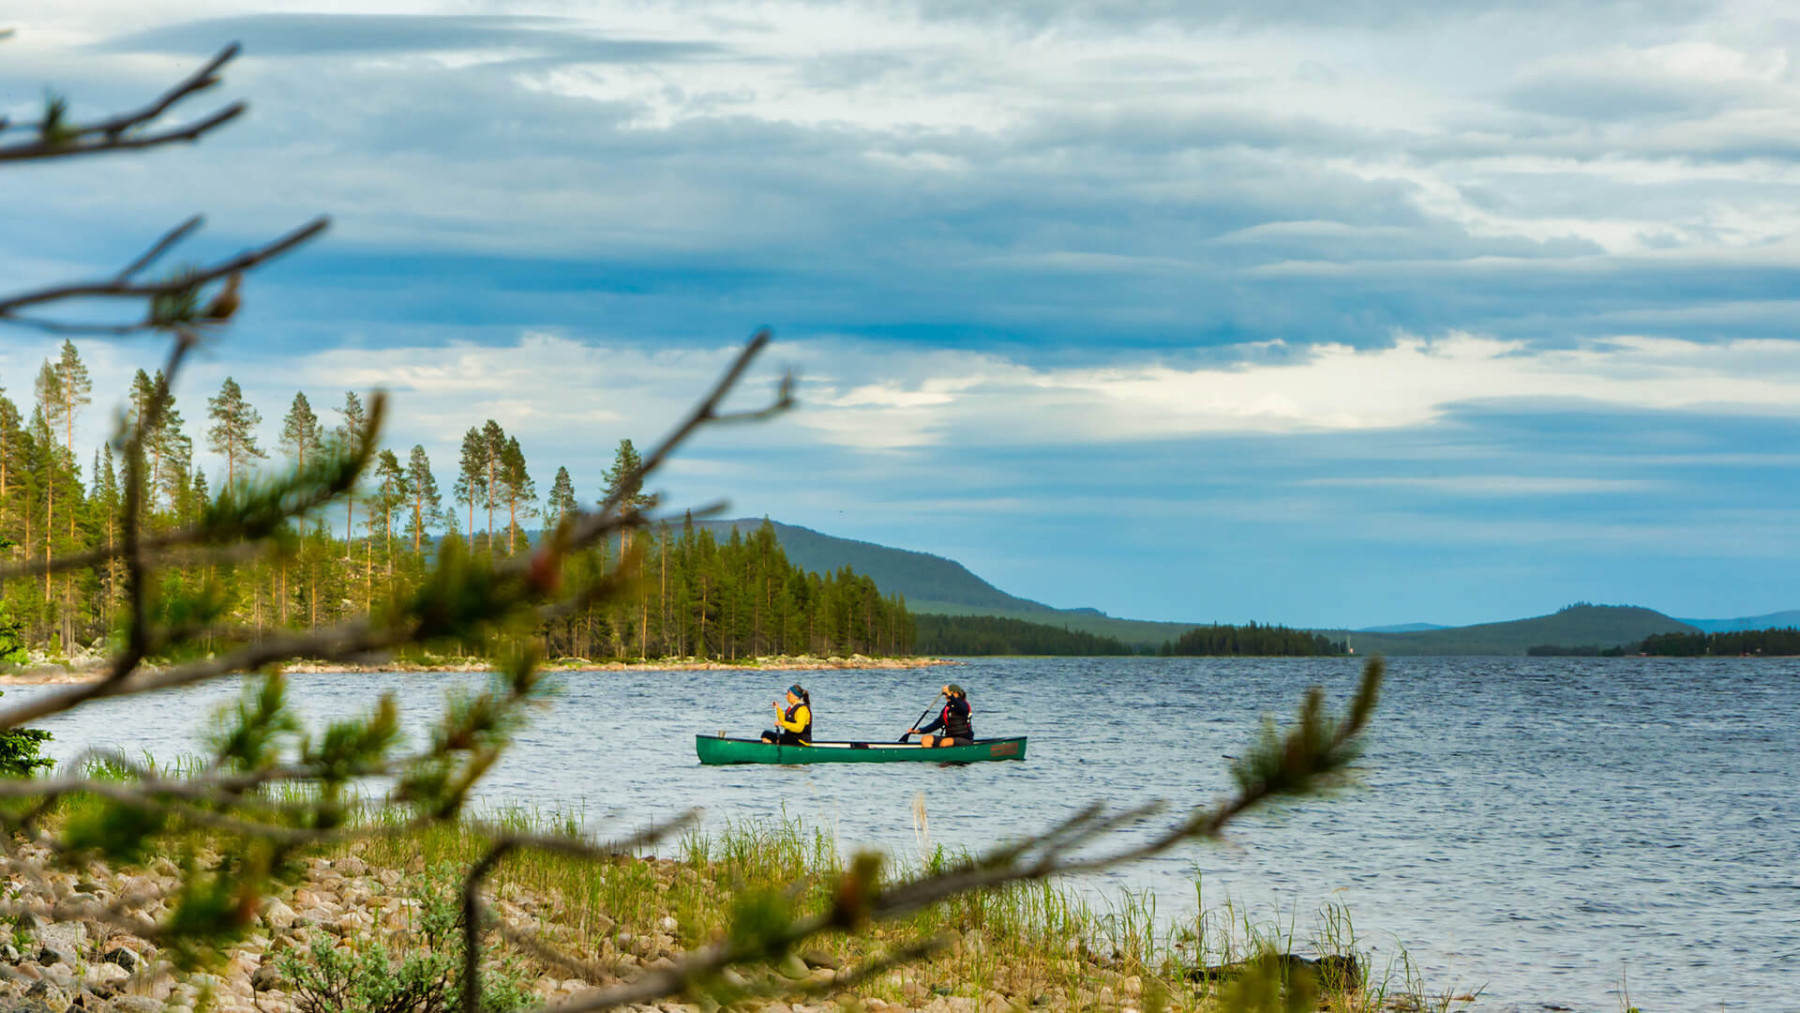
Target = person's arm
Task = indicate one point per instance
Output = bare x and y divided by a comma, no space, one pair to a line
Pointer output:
936,723
802,716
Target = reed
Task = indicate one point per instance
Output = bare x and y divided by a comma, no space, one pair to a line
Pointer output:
1044,945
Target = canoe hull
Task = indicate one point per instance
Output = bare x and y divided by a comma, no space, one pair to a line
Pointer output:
716,750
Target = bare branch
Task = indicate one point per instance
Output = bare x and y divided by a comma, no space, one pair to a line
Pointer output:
115,133
163,245
121,286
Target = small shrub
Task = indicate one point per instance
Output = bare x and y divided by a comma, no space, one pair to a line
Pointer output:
20,748
398,972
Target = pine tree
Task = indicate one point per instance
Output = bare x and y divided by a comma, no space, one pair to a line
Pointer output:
520,491
391,493
623,483
300,433
493,448
76,389
471,477
350,432
427,505
562,498
175,451
44,420
233,433
11,433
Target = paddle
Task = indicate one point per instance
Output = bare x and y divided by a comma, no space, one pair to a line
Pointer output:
922,716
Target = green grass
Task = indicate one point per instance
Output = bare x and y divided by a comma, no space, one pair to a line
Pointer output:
1042,941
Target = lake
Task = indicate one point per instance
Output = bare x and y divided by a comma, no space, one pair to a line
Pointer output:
1540,827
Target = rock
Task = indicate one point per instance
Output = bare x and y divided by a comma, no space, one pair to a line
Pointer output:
122,957
62,942
266,978
819,958
792,966
277,915
668,925
137,1004
353,922
50,996
1105,998
105,976
1133,985
351,866
10,954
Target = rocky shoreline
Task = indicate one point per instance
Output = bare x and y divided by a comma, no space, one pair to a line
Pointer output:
41,671
90,965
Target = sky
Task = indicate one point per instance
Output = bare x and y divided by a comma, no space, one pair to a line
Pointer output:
1324,313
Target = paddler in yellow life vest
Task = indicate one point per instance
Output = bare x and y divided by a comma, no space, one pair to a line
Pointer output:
793,723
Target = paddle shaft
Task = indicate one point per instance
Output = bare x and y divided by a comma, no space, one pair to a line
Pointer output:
922,716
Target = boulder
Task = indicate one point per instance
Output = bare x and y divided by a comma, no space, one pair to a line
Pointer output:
119,956
277,915
49,996
62,942
105,978
137,1004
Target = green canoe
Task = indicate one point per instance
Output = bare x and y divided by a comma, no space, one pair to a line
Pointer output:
717,749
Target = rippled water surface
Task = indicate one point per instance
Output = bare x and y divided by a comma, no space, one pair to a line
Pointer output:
1540,827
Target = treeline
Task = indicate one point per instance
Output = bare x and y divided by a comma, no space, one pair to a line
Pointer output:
970,636
1253,639
696,595
1582,651
1774,642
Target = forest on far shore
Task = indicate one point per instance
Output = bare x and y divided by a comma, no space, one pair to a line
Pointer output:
696,596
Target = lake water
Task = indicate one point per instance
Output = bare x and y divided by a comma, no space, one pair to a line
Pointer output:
1542,828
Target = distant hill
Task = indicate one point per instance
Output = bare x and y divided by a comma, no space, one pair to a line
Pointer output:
933,584
1772,621
930,583
1578,625
936,585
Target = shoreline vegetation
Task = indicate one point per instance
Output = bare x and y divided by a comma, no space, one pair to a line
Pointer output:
57,672
363,923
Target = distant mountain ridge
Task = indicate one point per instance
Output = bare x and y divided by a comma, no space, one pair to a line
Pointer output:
934,584
930,583
937,585
1582,625
1774,620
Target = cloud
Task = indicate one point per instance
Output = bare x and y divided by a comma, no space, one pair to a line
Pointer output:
1327,277
959,399
908,174
499,37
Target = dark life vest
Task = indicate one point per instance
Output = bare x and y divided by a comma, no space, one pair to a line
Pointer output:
805,733
955,719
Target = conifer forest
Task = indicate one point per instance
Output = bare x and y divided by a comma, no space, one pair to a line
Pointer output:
695,595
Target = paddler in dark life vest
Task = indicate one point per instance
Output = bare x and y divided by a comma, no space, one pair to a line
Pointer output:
793,721
953,719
